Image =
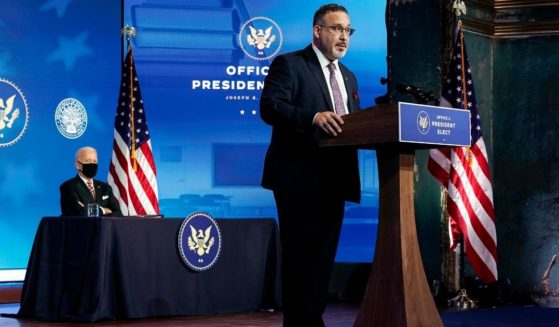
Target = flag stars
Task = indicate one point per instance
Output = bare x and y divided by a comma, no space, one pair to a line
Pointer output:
131,122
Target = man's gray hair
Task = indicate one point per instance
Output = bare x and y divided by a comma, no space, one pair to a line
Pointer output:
83,149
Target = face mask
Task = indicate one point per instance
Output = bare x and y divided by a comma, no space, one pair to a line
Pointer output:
89,170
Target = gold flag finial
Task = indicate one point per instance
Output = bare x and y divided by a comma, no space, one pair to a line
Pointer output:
128,31
459,8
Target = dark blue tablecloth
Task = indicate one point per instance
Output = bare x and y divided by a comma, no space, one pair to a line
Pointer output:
90,269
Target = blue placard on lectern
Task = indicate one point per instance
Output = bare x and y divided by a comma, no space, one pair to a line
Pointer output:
433,125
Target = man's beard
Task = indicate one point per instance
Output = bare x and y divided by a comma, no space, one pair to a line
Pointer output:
338,54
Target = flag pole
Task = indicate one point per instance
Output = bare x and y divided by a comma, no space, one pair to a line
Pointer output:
130,31
458,5
465,106
465,103
462,300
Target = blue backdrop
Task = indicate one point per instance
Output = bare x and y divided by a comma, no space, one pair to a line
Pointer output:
200,78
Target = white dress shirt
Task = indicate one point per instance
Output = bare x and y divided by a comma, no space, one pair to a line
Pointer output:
324,62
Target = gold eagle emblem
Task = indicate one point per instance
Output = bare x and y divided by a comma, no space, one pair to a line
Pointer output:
259,38
423,122
7,117
200,241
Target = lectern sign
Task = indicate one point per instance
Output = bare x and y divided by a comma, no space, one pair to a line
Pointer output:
433,125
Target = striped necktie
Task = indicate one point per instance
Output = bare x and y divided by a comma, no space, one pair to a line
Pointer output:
336,93
91,187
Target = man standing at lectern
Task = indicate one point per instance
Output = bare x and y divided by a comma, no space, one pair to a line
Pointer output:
306,93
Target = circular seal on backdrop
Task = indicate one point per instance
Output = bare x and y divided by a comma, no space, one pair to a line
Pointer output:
14,113
70,118
199,241
260,38
423,122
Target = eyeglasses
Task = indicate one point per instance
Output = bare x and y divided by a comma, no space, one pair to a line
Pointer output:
339,29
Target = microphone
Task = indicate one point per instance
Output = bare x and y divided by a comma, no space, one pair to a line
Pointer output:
418,95
407,89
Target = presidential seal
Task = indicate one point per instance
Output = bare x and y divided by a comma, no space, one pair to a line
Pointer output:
70,118
260,38
423,122
199,241
14,113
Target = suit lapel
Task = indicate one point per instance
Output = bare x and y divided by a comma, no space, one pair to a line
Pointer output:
83,190
314,66
98,192
348,87
97,188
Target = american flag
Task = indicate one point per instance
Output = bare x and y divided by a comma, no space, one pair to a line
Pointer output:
464,172
132,172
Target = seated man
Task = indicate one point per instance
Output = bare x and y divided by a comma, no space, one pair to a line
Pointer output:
77,192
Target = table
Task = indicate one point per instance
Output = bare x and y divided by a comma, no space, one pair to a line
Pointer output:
91,269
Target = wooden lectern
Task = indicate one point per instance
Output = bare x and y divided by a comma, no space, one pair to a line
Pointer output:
397,293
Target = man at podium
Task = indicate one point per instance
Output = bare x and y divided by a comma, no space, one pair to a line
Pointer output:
306,93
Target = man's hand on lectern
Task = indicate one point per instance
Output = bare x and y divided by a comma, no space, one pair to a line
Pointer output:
329,122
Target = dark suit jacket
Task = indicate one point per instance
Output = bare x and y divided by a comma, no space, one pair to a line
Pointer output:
294,91
74,191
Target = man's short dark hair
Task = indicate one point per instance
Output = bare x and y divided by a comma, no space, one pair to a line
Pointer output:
323,10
